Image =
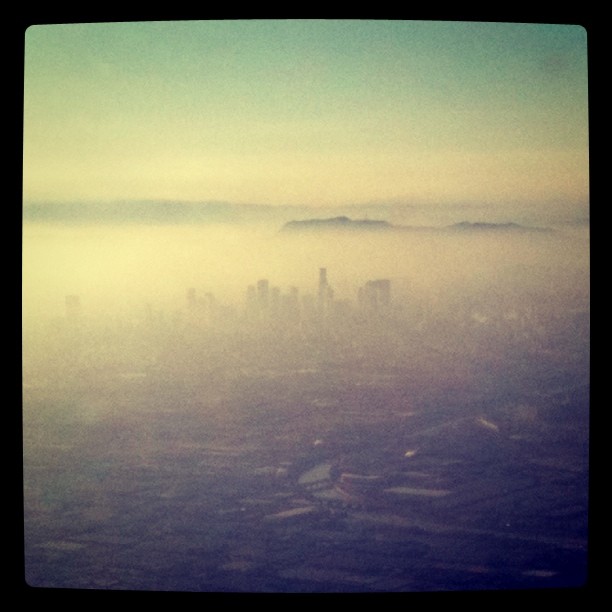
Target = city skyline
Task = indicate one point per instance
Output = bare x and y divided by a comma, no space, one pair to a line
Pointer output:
267,299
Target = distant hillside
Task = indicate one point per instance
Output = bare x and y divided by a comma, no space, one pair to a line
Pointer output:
345,223
197,212
183,212
335,223
465,226
130,211
370,217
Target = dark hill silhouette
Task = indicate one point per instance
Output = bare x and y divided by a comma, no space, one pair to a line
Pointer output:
167,212
345,223
467,226
337,223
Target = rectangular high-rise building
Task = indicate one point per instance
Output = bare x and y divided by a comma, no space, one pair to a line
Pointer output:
384,291
263,294
376,294
322,280
262,289
325,292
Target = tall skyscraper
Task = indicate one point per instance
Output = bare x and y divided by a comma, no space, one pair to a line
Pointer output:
263,290
325,293
383,286
375,295
322,281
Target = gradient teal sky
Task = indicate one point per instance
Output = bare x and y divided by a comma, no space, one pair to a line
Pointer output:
307,112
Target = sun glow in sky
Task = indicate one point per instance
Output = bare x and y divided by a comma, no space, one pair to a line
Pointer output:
307,112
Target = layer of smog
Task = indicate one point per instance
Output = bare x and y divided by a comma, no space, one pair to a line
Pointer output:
230,407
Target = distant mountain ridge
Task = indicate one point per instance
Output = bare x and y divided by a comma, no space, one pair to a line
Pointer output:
338,223
345,223
479,226
173,212
363,217
132,211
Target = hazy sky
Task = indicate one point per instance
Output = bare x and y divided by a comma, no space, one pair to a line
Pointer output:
307,111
